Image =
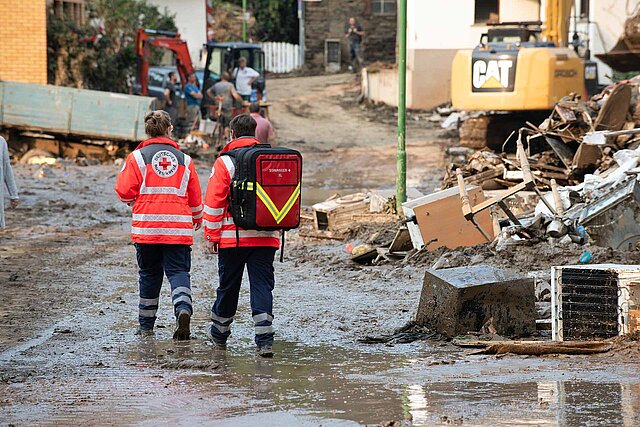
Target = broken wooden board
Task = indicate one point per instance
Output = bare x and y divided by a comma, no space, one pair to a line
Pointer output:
613,113
537,348
587,155
401,241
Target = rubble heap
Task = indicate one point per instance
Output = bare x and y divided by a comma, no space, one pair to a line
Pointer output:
555,147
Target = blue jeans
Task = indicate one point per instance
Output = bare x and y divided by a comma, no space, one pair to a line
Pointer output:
231,263
154,261
354,50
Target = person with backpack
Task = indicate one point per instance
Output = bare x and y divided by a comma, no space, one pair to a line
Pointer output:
161,183
253,192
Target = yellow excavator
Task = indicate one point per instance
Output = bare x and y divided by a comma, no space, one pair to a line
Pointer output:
516,74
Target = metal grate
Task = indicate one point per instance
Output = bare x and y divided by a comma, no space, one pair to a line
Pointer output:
589,304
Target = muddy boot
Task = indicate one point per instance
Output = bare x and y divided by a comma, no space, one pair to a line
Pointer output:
220,344
144,332
265,351
182,332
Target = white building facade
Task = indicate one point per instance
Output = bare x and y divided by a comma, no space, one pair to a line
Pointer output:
437,29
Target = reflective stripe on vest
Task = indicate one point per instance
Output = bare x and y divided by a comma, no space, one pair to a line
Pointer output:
162,231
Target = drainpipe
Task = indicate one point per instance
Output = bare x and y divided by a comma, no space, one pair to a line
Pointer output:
244,21
401,157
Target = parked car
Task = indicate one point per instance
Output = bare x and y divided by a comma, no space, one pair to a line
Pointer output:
159,77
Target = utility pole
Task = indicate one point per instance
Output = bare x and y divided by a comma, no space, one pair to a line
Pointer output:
244,21
401,157
301,30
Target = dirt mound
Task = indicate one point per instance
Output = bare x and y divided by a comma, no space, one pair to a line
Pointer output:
626,347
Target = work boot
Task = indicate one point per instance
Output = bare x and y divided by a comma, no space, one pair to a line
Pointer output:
183,321
144,332
265,351
220,344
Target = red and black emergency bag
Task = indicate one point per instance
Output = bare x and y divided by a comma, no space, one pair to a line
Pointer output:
265,189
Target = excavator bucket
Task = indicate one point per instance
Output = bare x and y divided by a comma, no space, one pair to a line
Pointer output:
625,55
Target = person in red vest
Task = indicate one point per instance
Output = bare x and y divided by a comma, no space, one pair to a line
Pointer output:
237,248
161,183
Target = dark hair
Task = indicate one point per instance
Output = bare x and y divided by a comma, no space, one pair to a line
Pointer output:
171,74
243,125
226,76
157,123
254,107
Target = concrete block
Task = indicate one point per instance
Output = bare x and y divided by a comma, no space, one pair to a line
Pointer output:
455,301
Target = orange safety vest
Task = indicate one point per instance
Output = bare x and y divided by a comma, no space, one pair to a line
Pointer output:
161,183
218,222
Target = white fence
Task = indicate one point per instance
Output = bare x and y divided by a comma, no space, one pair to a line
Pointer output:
281,57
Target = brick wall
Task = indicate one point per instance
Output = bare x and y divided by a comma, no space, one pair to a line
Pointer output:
23,40
325,19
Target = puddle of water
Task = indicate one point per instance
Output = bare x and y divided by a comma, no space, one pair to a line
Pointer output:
351,385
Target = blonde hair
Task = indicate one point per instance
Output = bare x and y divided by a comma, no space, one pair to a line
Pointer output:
157,123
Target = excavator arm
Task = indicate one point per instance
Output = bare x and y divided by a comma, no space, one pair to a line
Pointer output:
556,23
163,39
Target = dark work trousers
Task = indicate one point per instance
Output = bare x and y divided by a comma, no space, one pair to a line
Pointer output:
231,262
154,261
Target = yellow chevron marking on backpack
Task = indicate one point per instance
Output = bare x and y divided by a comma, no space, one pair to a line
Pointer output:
278,214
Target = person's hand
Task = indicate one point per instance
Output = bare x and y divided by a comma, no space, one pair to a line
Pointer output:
14,203
212,247
197,225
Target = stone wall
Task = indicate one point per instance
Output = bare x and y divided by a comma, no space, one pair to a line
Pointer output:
325,19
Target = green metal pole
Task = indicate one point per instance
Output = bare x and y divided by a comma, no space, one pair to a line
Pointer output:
244,21
401,157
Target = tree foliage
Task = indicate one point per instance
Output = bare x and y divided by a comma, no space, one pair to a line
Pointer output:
101,55
276,20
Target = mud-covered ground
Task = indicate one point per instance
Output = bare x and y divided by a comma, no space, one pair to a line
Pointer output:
69,309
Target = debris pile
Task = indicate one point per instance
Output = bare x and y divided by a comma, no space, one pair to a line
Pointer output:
562,147
586,153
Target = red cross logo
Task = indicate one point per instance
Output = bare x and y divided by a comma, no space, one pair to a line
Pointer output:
165,163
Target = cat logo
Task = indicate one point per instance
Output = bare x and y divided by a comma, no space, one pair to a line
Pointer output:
493,75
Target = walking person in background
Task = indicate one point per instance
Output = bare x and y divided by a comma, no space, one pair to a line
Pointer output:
8,180
245,76
161,183
264,130
194,96
170,101
223,92
354,33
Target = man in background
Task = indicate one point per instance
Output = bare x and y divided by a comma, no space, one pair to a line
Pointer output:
8,180
354,33
170,101
193,96
223,93
245,76
264,130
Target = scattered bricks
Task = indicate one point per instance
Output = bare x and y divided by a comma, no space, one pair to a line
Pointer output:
456,301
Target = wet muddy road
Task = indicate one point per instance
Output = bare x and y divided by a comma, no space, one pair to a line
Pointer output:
68,354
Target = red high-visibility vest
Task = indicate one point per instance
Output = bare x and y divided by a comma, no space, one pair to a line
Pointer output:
218,222
161,183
